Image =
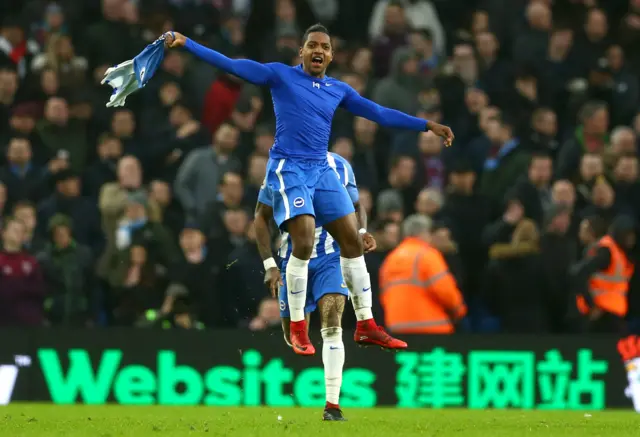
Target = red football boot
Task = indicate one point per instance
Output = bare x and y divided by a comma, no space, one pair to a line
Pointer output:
300,338
368,333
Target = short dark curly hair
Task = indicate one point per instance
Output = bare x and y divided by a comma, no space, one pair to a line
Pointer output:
315,28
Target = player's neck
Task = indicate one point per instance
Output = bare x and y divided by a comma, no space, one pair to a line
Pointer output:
315,76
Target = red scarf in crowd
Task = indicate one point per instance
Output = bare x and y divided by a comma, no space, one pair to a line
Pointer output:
18,52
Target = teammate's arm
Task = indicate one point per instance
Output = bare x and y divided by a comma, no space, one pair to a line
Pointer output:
262,216
261,219
246,69
367,239
358,105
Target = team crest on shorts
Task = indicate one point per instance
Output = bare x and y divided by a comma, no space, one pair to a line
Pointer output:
298,202
283,305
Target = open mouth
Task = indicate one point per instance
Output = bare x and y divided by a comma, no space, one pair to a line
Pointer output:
317,61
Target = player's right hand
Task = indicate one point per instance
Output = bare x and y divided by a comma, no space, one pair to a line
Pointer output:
273,280
173,40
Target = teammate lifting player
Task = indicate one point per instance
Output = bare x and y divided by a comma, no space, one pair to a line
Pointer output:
326,288
306,191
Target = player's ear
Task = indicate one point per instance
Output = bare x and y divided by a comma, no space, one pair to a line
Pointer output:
300,52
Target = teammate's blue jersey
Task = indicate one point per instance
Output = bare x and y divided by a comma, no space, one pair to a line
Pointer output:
324,243
304,105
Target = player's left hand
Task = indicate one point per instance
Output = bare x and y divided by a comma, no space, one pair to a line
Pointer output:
273,280
442,131
369,242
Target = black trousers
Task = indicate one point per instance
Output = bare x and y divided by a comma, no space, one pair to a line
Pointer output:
607,324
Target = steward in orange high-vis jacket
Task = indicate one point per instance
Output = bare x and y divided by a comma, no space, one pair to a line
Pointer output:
601,280
417,291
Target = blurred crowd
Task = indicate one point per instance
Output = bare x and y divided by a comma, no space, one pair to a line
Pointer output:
142,215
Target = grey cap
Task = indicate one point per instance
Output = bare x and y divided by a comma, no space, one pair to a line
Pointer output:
389,201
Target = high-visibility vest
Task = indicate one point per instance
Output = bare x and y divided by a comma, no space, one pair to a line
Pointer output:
609,287
417,292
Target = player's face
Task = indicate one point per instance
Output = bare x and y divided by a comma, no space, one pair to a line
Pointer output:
316,53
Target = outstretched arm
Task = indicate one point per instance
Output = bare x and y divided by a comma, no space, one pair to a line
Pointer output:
358,105
246,69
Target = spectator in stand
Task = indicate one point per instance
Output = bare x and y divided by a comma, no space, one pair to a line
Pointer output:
534,191
529,46
543,132
60,56
170,210
194,276
496,73
24,179
592,45
241,275
390,206
145,250
517,286
104,169
626,183
627,87
591,168
590,137
17,52
22,288
559,251
8,88
431,165
465,212
123,127
63,136
368,161
603,202
22,123
400,89
82,211
230,196
402,179
429,203
505,163
202,170
112,203
68,272
394,34
33,242
420,14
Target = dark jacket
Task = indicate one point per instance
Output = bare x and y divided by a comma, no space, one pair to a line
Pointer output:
497,180
517,288
70,279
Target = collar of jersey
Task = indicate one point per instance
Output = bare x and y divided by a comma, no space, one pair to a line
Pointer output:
324,79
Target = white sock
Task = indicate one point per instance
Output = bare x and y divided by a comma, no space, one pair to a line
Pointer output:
357,278
333,360
296,277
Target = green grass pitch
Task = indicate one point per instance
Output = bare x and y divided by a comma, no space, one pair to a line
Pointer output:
35,420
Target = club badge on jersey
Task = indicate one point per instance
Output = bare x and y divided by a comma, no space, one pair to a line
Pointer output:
129,76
